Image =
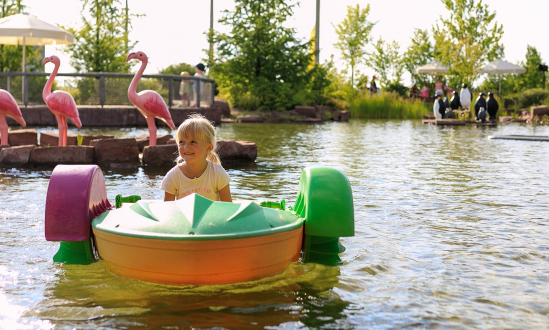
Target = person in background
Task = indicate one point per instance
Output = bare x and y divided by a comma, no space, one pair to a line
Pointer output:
184,89
439,87
465,97
199,69
414,91
373,86
424,92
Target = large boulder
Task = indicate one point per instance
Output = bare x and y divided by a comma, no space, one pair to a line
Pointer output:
87,139
162,155
116,152
540,111
224,106
51,139
53,156
16,155
143,140
309,112
234,151
343,115
250,119
22,137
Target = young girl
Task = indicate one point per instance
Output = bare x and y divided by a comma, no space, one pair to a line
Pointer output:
198,169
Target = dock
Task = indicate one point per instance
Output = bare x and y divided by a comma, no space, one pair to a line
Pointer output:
457,122
521,137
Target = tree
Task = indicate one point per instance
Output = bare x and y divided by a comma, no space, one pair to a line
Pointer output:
178,68
420,52
532,78
101,44
387,62
354,35
11,56
261,63
467,40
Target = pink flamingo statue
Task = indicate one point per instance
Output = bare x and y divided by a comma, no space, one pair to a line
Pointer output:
60,103
8,107
148,102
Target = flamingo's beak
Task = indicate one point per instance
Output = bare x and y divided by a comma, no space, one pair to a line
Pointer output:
46,60
130,56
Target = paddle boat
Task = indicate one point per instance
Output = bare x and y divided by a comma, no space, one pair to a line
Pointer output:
196,241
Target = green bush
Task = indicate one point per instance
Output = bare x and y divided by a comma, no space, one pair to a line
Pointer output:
388,106
534,96
398,88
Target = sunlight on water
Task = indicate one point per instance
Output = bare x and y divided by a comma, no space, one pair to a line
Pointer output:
451,232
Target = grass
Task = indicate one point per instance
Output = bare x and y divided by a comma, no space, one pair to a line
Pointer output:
388,106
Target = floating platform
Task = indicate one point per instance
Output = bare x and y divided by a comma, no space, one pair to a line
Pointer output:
457,122
521,137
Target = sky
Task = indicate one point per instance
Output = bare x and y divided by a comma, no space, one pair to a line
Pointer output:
172,32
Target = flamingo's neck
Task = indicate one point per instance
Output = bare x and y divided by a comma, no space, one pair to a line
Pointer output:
132,90
47,89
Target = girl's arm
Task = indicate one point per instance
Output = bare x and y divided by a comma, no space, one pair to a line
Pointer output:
169,197
224,194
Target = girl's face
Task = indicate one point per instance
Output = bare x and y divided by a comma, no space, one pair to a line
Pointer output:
194,150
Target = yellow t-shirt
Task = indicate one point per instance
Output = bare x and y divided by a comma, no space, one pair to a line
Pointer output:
207,185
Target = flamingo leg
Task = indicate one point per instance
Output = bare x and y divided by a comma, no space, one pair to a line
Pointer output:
64,122
152,130
60,129
3,130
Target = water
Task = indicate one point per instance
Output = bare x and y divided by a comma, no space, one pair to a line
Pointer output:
451,232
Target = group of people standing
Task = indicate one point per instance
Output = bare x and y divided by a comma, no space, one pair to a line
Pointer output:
444,109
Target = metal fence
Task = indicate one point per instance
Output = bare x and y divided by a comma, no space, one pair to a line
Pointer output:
101,88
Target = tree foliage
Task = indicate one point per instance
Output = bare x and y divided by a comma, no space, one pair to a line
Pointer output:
178,68
420,52
260,59
354,35
101,44
11,56
387,62
467,40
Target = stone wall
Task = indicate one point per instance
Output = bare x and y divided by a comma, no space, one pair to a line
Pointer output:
111,116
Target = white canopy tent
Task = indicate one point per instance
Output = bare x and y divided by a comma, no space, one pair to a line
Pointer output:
435,68
500,67
27,30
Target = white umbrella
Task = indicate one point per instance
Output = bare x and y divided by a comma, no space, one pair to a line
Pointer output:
435,68
27,30
500,67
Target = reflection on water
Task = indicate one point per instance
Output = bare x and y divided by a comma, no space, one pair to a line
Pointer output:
451,232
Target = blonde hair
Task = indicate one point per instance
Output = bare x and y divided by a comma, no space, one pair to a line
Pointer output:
198,126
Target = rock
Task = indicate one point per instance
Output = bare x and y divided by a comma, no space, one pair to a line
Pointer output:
251,119
233,151
343,115
116,151
504,119
227,121
224,106
313,120
540,110
16,155
163,155
52,139
2,146
87,139
309,112
171,141
22,137
143,140
62,155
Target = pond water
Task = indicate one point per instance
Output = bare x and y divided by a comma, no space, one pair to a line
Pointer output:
452,231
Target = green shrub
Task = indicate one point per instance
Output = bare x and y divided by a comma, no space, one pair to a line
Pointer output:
534,96
388,106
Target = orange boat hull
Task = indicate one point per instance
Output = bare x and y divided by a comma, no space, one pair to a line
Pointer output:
199,262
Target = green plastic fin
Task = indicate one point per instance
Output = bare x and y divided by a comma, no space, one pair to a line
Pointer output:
274,205
325,200
322,250
75,253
